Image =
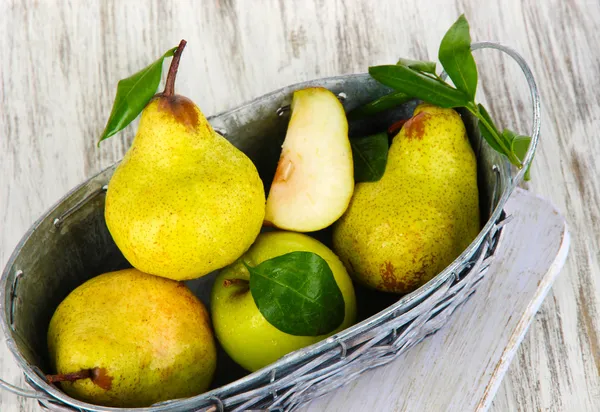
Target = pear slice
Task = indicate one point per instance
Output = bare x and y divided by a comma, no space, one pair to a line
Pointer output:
314,180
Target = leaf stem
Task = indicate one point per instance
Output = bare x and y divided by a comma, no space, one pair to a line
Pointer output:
170,84
507,150
434,76
70,377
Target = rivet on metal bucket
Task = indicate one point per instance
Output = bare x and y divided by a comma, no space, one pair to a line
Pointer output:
13,297
282,110
60,220
342,96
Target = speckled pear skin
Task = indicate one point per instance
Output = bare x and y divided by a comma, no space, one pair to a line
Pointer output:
184,201
401,231
151,337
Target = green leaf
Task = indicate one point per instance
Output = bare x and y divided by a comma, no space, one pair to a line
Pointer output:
457,59
386,102
419,65
418,85
370,157
519,143
487,133
133,94
298,294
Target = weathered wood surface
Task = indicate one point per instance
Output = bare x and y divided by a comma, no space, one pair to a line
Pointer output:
61,62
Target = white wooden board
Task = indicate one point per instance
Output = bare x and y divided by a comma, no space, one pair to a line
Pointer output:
460,367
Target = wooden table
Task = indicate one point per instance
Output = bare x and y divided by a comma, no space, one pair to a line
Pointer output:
61,62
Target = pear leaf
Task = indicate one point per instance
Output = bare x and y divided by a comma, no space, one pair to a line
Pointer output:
457,59
519,145
370,157
489,131
417,79
389,101
419,85
133,94
297,294
419,65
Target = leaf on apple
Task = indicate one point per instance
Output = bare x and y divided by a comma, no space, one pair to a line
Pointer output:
297,293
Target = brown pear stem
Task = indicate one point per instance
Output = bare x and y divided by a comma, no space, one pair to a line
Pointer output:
170,85
229,282
70,377
395,128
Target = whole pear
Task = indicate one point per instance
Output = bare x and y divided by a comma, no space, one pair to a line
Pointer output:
183,201
245,334
401,231
129,339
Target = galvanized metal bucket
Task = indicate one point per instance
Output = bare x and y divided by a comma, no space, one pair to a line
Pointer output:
70,244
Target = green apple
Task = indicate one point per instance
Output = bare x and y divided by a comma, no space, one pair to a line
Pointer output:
245,334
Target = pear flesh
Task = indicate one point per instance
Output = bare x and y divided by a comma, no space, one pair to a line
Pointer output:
401,231
143,339
314,180
184,201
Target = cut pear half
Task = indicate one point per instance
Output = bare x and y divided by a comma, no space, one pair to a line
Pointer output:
314,180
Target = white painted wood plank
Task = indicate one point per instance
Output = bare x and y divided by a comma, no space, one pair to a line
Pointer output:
461,367
61,62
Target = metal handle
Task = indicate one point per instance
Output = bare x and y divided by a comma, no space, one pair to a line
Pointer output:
535,100
23,392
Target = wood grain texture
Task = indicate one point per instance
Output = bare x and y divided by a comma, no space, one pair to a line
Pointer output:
62,59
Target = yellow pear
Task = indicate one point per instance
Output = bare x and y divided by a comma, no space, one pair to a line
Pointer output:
129,339
314,180
183,201
401,231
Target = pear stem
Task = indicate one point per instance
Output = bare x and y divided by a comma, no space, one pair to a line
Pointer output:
71,377
229,282
170,84
395,128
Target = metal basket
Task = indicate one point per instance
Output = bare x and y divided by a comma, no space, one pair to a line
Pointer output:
71,243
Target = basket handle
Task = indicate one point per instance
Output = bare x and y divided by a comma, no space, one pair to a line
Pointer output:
23,392
535,100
